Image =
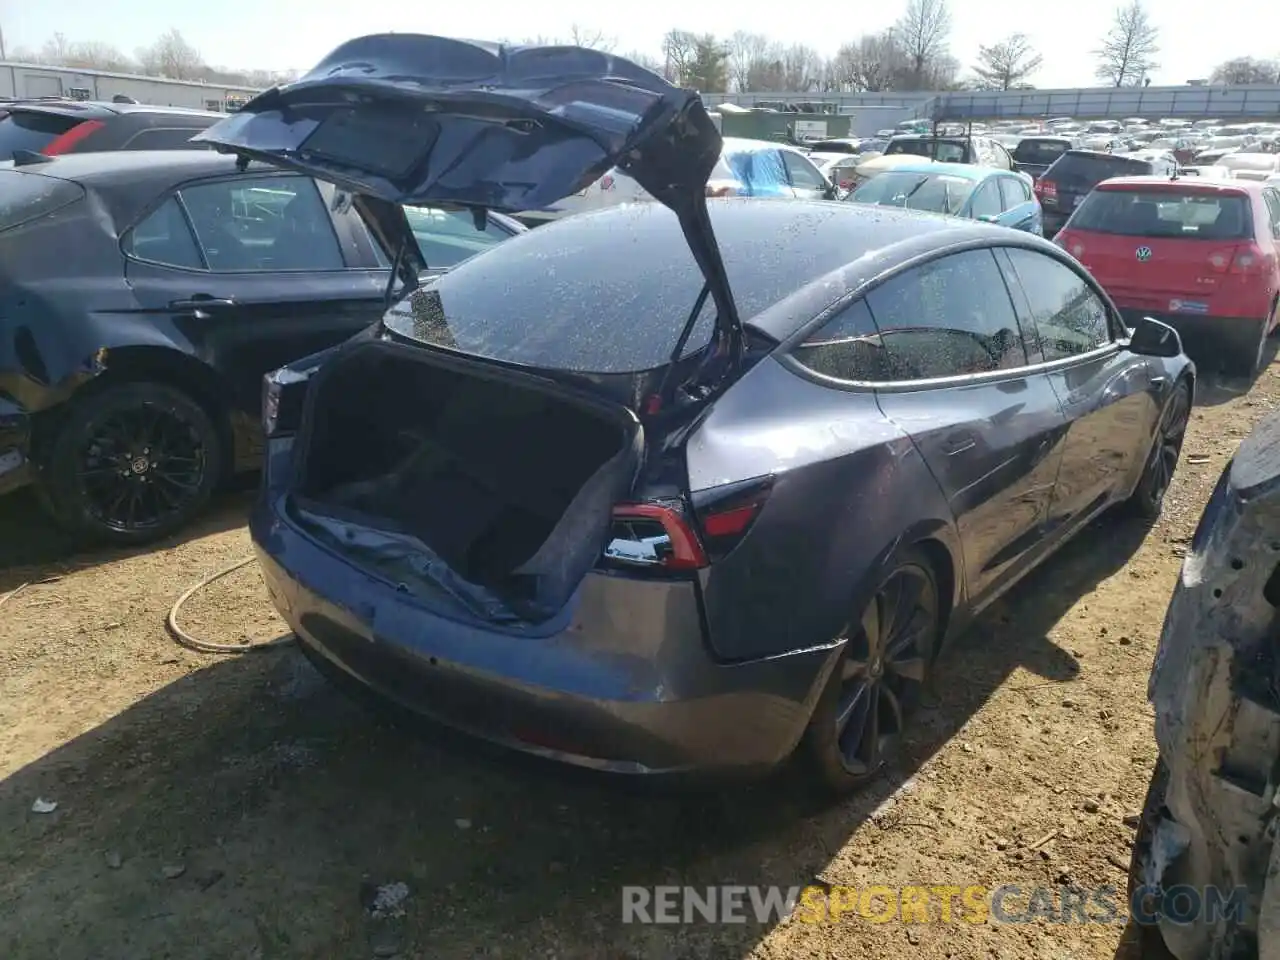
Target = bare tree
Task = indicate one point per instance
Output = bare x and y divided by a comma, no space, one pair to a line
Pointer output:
1005,64
872,63
96,55
580,36
924,33
750,57
801,66
56,49
679,50
171,56
646,60
1128,51
1247,70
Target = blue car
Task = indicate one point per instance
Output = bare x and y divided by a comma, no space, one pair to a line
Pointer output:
959,189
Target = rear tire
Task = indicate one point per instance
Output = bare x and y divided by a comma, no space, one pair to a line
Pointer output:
131,463
856,727
1147,500
1244,358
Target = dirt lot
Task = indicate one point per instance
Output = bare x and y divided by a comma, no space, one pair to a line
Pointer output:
237,807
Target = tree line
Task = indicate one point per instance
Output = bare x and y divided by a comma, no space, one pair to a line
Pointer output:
914,54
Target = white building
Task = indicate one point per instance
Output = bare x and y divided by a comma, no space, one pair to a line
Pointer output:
25,80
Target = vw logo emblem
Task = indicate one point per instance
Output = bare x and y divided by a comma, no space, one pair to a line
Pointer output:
1144,254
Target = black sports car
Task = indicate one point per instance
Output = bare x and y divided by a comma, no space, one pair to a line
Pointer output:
143,295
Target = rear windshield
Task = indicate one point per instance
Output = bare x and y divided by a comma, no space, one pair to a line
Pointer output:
1087,169
916,191
1039,151
27,196
1192,216
944,151
31,131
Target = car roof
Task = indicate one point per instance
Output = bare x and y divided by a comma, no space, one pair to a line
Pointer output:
1201,185
748,145
99,108
967,171
108,166
786,259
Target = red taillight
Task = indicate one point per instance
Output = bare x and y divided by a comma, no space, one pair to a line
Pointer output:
65,141
653,535
1248,259
606,182
1046,188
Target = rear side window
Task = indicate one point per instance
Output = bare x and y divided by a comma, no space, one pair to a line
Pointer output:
164,237
28,196
945,318
1067,317
1166,214
31,131
986,201
1039,151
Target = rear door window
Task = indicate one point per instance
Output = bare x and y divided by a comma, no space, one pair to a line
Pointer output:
1272,198
263,223
28,196
802,173
1166,214
945,318
445,237
24,130
986,201
1013,192
1067,318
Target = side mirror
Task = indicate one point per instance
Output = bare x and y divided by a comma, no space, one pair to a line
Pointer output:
1151,338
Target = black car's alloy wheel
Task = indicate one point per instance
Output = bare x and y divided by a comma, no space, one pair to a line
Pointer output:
877,684
1148,499
132,463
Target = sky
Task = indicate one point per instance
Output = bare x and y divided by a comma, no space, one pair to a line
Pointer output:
294,34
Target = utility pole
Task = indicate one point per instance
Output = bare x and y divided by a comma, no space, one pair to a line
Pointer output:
2,56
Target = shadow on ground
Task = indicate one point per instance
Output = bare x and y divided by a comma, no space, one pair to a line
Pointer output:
1215,388
29,539
282,806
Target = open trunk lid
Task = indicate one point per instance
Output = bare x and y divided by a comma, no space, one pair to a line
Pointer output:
417,119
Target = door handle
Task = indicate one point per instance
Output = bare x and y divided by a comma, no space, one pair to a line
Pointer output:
201,303
959,444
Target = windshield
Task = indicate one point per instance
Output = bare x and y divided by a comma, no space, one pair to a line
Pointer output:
31,131
938,193
26,196
1189,216
944,151
1039,151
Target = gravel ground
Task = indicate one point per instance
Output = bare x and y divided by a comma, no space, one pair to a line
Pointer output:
238,807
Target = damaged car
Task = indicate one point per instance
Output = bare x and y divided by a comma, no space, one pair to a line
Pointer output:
143,296
1203,881
698,484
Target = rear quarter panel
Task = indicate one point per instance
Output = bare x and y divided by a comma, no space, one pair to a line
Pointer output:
850,488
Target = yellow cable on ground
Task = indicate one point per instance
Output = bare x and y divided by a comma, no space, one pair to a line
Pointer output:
204,646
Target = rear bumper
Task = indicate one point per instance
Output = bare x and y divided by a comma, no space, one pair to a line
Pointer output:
1203,334
620,681
15,447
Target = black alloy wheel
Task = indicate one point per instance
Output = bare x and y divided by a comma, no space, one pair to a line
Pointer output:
876,686
1148,499
132,463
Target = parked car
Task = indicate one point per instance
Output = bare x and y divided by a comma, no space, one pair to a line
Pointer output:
143,295
646,509
1208,822
958,189
1251,166
839,168
1070,178
747,168
954,149
1203,255
1034,155
53,127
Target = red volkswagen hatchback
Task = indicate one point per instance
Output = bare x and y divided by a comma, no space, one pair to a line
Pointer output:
1203,256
